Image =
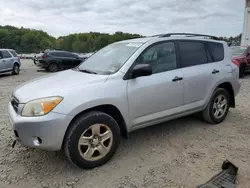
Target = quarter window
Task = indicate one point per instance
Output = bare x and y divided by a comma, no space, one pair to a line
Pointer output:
161,57
13,53
216,50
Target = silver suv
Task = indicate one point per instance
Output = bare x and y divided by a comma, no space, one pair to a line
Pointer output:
9,61
125,86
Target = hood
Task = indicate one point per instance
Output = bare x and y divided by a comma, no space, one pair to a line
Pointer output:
55,83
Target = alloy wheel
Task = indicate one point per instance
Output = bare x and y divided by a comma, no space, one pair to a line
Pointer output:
220,106
95,142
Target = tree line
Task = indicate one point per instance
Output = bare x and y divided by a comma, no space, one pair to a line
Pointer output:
25,40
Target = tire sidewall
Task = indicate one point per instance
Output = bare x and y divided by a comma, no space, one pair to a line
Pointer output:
14,69
51,65
242,70
78,127
218,92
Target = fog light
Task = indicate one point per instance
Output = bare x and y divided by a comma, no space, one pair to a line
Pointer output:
37,141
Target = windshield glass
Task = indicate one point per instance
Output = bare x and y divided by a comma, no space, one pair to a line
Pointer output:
238,50
110,59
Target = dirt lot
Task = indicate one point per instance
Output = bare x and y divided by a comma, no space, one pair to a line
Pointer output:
181,153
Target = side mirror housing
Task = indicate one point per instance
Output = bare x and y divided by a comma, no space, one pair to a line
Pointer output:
141,70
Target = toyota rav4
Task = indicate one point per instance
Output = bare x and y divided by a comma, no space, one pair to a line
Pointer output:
125,86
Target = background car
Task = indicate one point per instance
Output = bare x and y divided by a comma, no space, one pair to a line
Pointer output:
241,56
9,61
55,60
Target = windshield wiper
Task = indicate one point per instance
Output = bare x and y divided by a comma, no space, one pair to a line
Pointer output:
87,71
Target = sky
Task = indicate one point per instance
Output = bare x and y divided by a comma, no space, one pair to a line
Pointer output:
145,17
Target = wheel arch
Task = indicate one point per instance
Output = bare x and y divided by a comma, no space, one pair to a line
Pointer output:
229,88
109,109
16,63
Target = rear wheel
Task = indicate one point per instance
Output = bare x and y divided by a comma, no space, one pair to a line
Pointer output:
53,67
242,70
218,106
16,69
92,140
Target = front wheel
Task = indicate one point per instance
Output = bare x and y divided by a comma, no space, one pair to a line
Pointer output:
16,69
218,106
92,140
53,67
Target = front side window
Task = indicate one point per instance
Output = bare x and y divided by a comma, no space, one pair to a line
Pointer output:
192,53
5,54
111,58
161,57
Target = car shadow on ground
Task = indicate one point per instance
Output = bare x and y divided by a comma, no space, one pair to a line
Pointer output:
142,140
5,74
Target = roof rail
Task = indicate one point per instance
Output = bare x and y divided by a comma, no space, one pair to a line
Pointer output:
189,35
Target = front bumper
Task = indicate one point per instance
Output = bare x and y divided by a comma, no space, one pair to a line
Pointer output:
44,132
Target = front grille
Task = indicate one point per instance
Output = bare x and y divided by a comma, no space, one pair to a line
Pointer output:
15,103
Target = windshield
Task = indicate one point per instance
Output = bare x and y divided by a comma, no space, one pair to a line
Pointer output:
110,59
238,50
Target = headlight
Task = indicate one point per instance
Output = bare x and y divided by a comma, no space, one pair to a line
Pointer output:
40,107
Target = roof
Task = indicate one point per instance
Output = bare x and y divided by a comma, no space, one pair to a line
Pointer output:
5,49
139,40
172,36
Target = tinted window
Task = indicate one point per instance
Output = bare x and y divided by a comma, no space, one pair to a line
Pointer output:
192,53
69,55
58,54
5,54
13,53
161,57
216,50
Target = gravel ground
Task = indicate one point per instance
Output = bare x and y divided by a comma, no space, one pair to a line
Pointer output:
180,153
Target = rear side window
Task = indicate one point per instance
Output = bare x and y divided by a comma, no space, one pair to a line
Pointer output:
57,54
5,54
69,55
13,53
216,50
192,53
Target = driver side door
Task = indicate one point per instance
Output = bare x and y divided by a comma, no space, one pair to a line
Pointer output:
152,99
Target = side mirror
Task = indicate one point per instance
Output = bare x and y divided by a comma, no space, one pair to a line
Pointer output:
141,70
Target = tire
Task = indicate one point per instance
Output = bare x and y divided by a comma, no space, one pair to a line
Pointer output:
242,70
53,67
16,69
84,126
209,115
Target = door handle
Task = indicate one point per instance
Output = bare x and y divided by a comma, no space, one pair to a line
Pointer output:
177,78
215,71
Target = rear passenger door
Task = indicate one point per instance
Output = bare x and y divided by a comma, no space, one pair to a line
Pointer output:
199,72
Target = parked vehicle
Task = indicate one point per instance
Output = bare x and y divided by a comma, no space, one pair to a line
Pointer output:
241,56
54,61
9,61
125,86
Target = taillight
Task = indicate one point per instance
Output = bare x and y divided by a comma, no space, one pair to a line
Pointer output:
44,56
237,63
